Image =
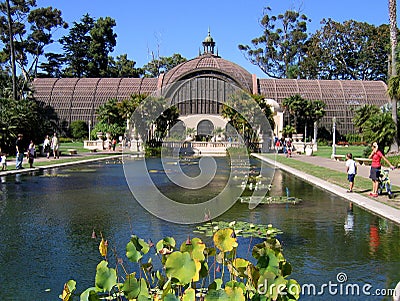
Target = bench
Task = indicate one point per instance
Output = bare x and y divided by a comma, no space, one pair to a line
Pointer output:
72,151
339,157
363,161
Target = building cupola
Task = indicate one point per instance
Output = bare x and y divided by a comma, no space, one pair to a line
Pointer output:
208,44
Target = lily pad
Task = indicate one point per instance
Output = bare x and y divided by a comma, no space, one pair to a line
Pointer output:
224,240
180,266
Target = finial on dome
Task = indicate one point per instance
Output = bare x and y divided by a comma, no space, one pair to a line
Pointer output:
208,44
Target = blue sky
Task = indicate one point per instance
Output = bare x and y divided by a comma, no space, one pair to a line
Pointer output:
180,26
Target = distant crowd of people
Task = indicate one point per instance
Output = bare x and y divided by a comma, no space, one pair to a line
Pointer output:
49,146
285,145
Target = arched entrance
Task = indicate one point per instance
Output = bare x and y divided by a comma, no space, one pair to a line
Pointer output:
205,130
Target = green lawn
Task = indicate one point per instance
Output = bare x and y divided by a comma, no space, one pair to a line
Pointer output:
326,151
356,150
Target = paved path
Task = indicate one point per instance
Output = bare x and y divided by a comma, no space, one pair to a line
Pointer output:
362,170
378,206
85,157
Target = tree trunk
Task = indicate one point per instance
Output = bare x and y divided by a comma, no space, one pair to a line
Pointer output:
393,43
12,50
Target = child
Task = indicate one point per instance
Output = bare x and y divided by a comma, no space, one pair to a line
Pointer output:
351,169
3,161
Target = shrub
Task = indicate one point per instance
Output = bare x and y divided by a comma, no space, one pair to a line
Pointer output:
79,129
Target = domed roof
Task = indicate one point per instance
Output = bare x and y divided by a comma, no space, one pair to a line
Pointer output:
209,64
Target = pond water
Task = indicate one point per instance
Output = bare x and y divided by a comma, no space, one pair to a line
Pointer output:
46,222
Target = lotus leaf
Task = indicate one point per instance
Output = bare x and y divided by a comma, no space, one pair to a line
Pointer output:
90,294
167,242
132,253
189,295
69,288
240,267
131,287
224,241
216,295
196,277
140,244
106,277
180,266
216,285
235,294
103,247
171,297
294,289
195,248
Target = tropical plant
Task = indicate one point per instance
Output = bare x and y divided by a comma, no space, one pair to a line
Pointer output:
288,130
379,128
190,132
362,114
193,271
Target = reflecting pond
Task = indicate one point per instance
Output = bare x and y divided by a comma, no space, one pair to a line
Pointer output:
47,218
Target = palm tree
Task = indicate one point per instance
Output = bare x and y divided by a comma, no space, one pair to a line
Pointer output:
393,91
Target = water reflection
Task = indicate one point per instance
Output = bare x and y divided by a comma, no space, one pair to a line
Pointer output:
47,223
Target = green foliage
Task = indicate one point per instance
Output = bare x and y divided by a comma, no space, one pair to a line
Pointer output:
288,130
347,51
380,128
303,112
87,46
162,65
196,270
245,112
79,129
278,50
27,117
352,138
114,129
32,30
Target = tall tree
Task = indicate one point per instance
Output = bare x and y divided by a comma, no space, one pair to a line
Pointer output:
278,51
76,47
123,67
393,70
87,47
24,32
347,51
103,41
53,66
162,65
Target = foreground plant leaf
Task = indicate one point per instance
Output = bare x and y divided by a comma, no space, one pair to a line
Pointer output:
180,266
69,288
106,278
224,241
189,295
103,247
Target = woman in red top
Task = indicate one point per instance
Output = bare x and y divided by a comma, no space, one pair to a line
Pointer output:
375,172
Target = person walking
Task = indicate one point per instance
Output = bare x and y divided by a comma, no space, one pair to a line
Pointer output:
19,146
46,147
31,153
351,169
55,146
375,171
3,161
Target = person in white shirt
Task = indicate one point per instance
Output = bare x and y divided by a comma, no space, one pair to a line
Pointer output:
351,169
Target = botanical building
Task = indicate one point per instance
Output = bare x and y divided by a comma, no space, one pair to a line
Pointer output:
198,84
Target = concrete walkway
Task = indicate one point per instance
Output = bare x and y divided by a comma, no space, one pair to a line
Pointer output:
80,158
375,205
